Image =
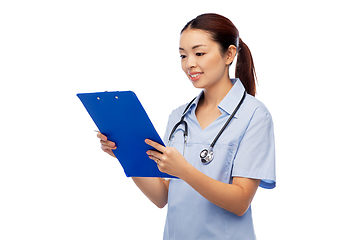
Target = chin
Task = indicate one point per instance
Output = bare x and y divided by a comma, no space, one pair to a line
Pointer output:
197,84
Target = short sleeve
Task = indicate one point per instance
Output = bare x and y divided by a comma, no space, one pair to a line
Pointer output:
255,157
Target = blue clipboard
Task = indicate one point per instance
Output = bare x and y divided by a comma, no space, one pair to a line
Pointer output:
121,117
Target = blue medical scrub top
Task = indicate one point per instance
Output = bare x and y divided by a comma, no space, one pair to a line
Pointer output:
245,149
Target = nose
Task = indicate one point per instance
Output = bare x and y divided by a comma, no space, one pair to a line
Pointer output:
190,63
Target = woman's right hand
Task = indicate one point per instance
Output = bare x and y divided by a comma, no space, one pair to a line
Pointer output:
106,146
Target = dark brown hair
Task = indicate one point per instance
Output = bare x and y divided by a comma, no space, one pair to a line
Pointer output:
224,32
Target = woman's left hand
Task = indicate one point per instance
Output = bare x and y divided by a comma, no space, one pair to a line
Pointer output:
168,159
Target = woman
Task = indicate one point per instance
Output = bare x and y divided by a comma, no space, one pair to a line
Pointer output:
212,197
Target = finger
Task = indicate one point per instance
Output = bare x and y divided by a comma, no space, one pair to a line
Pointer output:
155,145
106,148
108,151
154,158
160,166
101,136
108,144
154,154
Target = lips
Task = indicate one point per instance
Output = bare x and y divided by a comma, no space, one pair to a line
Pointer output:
194,76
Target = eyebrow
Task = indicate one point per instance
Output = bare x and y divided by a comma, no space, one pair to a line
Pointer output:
194,47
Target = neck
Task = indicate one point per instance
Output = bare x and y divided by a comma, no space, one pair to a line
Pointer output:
214,94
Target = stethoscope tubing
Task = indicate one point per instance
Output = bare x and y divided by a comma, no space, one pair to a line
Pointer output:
208,153
182,121
228,121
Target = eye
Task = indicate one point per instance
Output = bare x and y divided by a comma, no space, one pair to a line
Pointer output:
200,54
182,56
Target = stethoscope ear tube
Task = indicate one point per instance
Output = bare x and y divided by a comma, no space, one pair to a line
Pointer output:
182,121
176,126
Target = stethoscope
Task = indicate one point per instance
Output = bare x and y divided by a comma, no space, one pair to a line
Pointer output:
206,155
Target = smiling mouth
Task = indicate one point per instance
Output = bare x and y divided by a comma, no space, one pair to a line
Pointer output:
195,75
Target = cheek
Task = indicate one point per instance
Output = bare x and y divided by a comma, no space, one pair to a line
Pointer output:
214,65
183,66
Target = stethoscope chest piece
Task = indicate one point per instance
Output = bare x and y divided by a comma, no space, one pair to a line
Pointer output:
206,156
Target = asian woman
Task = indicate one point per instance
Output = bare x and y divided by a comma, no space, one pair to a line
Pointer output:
212,199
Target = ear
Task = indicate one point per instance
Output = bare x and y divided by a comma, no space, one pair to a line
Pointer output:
230,54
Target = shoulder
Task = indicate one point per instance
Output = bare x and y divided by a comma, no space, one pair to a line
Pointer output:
254,113
255,107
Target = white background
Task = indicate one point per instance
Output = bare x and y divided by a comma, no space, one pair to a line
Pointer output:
56,183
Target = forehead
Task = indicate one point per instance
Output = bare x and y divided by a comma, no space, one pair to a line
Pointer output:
194,37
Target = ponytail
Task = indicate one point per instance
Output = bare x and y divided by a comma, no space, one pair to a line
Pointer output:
245,69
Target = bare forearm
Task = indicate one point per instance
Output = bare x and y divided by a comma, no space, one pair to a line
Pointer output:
154,188
235,197
230,197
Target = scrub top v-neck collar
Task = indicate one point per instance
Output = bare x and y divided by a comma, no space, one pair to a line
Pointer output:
228,103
